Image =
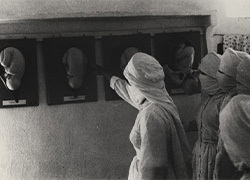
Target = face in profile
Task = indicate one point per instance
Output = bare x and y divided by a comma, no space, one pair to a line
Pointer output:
127,55
75,64
13,63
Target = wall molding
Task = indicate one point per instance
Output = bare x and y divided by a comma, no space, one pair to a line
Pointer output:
107,24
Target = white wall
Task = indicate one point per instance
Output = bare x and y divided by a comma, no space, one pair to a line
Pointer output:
231,25
16,9
227,25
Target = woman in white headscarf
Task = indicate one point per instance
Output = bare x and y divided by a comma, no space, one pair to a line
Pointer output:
158,136
207,118
226,74
224,168
235,132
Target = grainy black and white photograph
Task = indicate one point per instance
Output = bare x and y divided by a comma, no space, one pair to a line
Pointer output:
124,90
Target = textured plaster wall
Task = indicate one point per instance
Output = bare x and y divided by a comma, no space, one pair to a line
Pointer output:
15,9
230,25
75,141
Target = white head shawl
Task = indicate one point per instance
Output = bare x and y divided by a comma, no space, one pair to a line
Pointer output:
235,129
146,74
210,65
228,68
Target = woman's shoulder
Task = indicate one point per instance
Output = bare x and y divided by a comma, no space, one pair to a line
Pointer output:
152,108
154,113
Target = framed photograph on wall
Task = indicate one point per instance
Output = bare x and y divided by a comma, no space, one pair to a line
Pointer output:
61,54
18,70
114,47
168,46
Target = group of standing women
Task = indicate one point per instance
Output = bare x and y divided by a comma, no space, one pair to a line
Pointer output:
158,136
222,77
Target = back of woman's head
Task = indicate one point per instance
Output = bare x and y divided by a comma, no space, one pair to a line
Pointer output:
210,64
230,61
145,70
235,129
